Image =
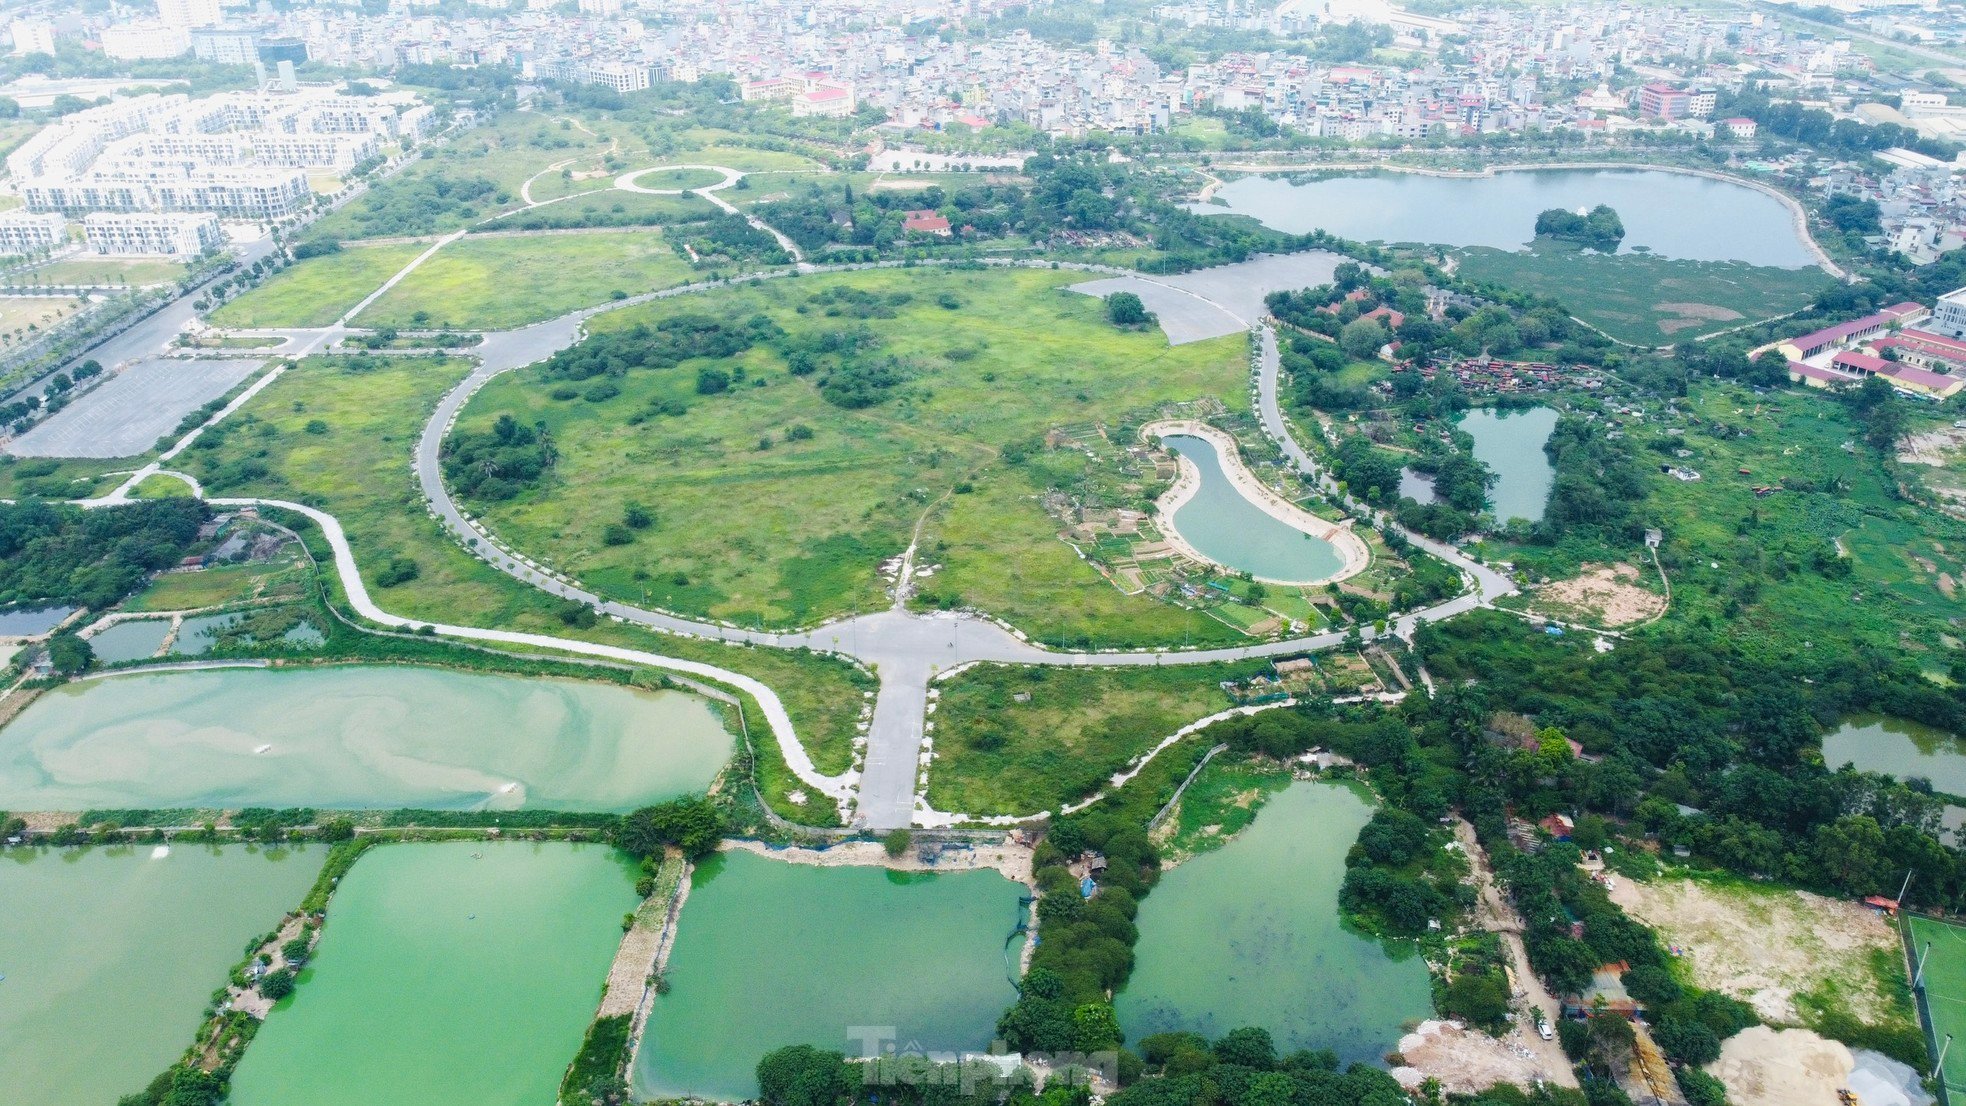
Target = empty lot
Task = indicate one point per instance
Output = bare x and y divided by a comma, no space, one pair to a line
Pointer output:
130,411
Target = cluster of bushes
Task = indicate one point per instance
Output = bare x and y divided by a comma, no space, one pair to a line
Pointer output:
691,824
53,552
1600,229
1087,951
498,463
1243,1068
1389,885
666,345
423,204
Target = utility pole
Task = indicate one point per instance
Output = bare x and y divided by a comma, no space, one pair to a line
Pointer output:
1918,973
1909,872
1939,1064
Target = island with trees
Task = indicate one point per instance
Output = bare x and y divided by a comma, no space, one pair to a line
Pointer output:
1599,229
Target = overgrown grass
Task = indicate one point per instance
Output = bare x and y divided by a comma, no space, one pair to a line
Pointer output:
318,290
1018,740
760,527
358,470
497,283
1644,299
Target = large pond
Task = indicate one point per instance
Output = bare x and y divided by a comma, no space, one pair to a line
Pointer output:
29,621
1227,527
457,973
130,641
1250,935
770,954
1673,215
356,737
1511,443
107,957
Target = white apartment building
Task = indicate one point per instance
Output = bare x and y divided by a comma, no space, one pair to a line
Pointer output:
225,46
33,36
188,13
24,233
1949,315
132,41
600,7
619,76
151,234
339,152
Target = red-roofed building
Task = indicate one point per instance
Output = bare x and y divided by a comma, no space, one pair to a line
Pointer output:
1926,350
1923,382
824,100
1862,364
926,222
1393,318
1739,127
1844,334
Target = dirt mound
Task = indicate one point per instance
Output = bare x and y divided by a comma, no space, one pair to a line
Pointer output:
1605,595
1788,1067
1464,1060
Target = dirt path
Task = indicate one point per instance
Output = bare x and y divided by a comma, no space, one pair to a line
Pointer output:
1496,915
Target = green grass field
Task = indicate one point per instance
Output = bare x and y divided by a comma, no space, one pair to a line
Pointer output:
1064,739
755,526
495,283
603,207
358,470
319,290
213,587
1945,992
1770,569
1648,300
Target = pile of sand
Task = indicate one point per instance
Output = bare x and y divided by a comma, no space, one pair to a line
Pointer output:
1464,1060
1605,595
1788,1067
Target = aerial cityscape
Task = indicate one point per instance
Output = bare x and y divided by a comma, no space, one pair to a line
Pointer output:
982,553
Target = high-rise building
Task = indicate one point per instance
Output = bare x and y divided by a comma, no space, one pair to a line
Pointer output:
188,13
33,36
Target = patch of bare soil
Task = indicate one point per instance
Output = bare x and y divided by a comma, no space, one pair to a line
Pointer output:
1708,311
1605,595
1765,947
1787,1067
1934,447
1464,1060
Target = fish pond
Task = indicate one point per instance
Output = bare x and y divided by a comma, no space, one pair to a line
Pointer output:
130,641
356,737
1232,530
1900,748
769,954
452,974
1510,443
1250,934
30,621
108,956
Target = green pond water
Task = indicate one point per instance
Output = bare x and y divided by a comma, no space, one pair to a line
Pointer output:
1898,747
109,957
770,954
1227,528
454,974
1250,935
1672,215
1510,443
356,737
196,636
130,641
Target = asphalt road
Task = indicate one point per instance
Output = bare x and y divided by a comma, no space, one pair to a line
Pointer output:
126,415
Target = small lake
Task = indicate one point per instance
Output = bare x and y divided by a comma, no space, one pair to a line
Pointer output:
456,973
31,621
1416,486
770,954
1250,935
1228,528
356,737
109,957
1900,748
130,641
1672,215
1510,443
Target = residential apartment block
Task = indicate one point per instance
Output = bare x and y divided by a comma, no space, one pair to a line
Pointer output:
24,233
152,233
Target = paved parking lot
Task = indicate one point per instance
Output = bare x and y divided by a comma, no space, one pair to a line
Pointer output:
1238,289
130,411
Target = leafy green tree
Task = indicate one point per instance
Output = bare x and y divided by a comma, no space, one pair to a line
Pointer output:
277,984
801,1075
1126,309
691,824
1362,338
1095,1027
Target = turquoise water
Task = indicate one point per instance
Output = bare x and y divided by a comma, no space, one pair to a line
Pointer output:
356,737
1250,935
1510,443
455,974
1227,528
770,954
130,641
108,957
1669,214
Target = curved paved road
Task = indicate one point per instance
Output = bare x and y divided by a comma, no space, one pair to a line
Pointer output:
905,649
